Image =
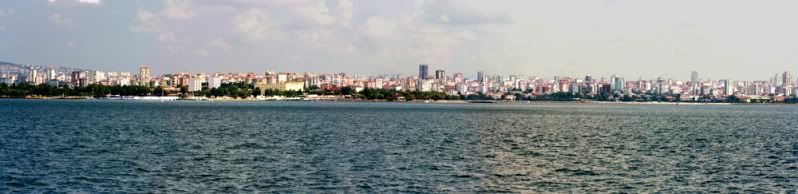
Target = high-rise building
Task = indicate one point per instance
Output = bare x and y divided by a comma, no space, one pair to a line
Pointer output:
195,83
440,74
214,82
76,79
32,75
787,79
144,75
51,74
693,78
423,71
482,77
727,88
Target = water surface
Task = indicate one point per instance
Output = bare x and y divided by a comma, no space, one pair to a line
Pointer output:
180,146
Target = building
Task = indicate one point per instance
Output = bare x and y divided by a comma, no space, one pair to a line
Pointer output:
693,78
423,85
286,86
144,75
75,79
440,74
482,77
617,84
51,75
195,84
214,82
423,71
727,88
33,76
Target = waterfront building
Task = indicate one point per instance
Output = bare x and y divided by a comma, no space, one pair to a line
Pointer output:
195,83
214,81
285,86
728,89
423,85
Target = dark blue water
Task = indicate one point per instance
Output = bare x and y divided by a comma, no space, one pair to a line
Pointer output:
311,147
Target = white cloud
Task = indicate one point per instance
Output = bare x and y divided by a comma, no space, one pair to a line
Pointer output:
95,2
59,19
201,52
167,38
146,22
220,43
78,2
178,9
255,24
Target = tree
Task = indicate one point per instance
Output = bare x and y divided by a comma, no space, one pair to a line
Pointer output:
346,90
183,90
158,91
256,92
732,99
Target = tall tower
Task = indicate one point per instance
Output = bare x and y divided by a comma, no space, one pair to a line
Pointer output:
728,89
440,74
144,75
423,71
693,77
482,77
787,79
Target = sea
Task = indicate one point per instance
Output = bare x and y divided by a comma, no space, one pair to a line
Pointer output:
129,146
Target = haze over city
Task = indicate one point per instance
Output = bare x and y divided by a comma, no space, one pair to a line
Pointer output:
722,39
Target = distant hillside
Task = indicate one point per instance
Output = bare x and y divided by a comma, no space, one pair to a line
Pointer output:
3,63
6,67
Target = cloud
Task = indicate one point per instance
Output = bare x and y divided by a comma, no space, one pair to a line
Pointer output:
201,52
168,38
459,13
57,18
77,2
220,43
178,9
146,22
425,32
95,2
256,25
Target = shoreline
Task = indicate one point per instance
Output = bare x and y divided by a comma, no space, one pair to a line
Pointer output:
297,99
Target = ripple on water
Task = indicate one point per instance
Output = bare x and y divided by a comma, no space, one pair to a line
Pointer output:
311,147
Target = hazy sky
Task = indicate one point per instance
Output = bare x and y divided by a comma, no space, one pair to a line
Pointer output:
630,38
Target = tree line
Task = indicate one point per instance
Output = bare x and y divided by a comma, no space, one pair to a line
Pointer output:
44,90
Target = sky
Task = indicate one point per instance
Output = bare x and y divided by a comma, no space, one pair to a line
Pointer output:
720,39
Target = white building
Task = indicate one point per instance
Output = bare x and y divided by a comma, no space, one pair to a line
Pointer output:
214,82
195,84
424,85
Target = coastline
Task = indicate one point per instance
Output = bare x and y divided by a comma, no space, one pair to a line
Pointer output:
298,99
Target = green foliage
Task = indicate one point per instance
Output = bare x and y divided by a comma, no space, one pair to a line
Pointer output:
95,90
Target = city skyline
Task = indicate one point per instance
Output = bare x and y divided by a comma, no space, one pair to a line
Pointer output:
423,71
655,39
